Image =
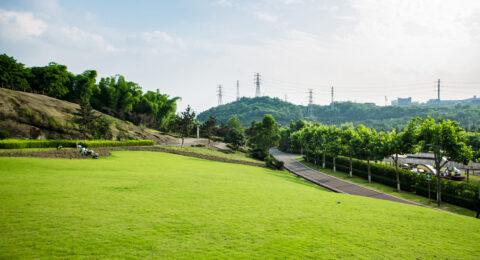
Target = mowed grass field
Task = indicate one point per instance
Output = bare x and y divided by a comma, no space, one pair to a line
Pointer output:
158,205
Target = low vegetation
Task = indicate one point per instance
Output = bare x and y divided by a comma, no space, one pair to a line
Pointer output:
20,144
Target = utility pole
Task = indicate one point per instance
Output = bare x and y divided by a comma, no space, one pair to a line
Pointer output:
310,102
286,98
238,90
220,95
438,98
332,105
257,85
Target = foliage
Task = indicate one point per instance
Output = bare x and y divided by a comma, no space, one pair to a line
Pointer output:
21,144
273,163
112,95
382,118
4,134
235,132
266,136
185,123
13,73
208,127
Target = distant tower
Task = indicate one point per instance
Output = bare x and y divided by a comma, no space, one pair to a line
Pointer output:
238,90
257,85
220,95
310,102
286,98
332,104
386,101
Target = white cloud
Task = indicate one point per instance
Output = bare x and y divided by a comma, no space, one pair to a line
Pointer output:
20,24
80,38
224,3
162,37
266,17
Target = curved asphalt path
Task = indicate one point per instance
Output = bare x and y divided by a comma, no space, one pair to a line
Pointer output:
331,182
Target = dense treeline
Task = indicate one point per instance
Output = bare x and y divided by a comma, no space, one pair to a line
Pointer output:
112,95
379,117
443,138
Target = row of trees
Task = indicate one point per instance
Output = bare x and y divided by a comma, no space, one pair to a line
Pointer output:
112,95
444,138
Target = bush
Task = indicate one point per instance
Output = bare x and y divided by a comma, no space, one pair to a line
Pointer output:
273,163
20,144
54,124
4,134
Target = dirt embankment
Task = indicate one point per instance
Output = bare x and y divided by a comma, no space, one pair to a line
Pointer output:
28,115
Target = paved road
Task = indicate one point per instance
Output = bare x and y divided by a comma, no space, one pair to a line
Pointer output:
330,182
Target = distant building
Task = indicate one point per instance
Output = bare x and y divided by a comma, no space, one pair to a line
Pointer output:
402,101
469,101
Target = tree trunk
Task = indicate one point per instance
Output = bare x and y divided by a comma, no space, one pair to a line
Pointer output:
334,170
351,174
468,173
323,164
316,155
437,168
369,172
182,141
396,172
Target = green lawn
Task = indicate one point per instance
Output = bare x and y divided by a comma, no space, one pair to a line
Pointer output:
393,191
159,205
212,152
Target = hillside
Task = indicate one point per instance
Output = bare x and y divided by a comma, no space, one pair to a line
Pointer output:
126,206
379,117
28,115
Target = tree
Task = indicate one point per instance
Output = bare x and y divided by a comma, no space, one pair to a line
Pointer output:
208,128
86,119
334,146
368,145
52,79
235,133
266,136
321,141
446,140
404,142
349,142
13,74
185,123
81,87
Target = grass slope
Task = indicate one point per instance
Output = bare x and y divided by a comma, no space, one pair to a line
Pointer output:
157,205
234,155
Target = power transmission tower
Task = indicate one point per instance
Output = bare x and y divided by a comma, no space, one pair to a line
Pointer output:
257,85
332,105
220,95
438,98
310,102
286,98
238,90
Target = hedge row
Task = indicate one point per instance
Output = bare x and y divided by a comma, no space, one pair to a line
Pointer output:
20,144
458,193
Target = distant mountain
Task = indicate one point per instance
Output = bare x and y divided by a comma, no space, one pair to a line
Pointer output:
379,117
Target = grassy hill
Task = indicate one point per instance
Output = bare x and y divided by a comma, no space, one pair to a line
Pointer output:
156,205
379,117
28,115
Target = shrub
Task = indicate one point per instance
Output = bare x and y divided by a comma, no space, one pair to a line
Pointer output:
4,134
19,144
273,163
54,124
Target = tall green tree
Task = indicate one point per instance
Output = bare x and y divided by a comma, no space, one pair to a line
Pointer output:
208,128
320,136
185,123
446,140
350,145
404,142
266,136
334,146
13,74
52,79
367,146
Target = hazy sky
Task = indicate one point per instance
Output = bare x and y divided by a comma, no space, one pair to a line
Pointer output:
366,49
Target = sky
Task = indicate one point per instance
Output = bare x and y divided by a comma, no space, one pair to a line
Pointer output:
369,51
